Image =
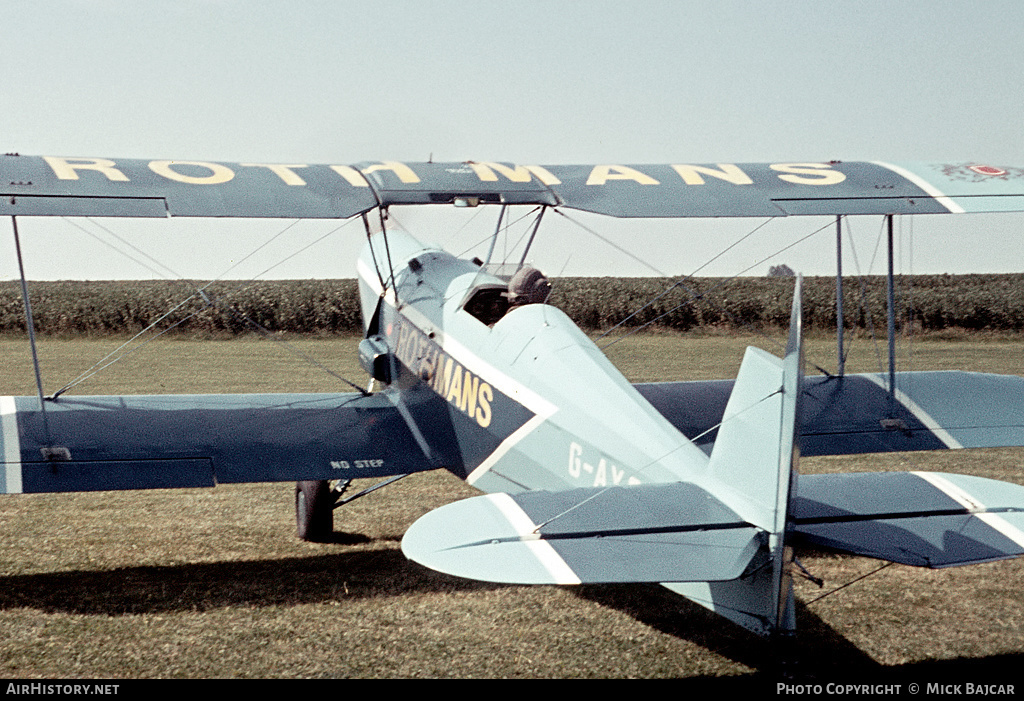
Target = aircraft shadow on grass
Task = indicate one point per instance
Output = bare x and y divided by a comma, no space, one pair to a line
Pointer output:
823,651
207,586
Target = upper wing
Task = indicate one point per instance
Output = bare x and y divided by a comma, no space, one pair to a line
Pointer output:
59,185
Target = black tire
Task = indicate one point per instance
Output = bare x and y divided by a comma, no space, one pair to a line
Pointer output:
314,511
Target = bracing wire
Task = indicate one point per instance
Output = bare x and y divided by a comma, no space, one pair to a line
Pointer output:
906,291
260,248
292,255
301,354
850,583
200,292
101,364
731,246
695,296
373,254
864,294
465,224
860,274
122,252
611,243
488,237
660,458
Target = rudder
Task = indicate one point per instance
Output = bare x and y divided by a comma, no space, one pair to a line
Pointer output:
754,462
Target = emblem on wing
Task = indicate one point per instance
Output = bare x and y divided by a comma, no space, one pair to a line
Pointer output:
977,173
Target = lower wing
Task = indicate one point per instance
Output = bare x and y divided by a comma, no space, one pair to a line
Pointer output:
857,413
144,442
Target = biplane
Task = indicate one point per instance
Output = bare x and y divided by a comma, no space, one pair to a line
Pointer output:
587,477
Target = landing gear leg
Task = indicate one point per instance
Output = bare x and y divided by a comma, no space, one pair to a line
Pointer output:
315,502
314,511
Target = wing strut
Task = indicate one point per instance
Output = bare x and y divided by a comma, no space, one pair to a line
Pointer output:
536,225
49,451
497,230
376,265
890,290
840,322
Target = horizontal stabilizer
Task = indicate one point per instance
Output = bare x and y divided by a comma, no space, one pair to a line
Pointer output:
644,533
926,519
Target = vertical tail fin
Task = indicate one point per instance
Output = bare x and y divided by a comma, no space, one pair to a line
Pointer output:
789,462
754,466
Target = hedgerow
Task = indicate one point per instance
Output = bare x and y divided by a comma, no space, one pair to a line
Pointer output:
930,302
293,306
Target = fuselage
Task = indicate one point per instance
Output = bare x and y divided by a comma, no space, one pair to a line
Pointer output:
510,399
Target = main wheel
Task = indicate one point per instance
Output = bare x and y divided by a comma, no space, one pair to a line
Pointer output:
314,511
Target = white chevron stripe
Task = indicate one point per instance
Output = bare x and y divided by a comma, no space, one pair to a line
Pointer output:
11,446
920,414
970,503
930,189
524,526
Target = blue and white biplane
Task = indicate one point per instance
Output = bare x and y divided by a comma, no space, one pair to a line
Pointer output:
588,478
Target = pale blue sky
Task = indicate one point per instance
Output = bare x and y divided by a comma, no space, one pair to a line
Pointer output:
529,82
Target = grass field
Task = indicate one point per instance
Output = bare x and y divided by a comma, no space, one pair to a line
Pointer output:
213,583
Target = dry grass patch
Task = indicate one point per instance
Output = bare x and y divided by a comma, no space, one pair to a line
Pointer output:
213,583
